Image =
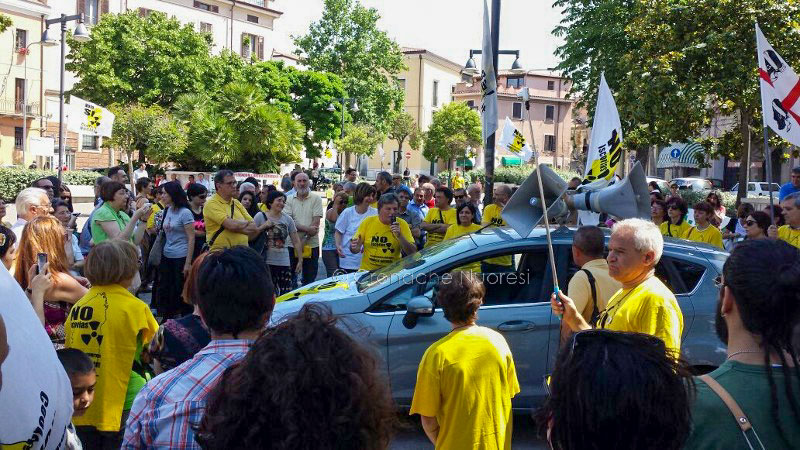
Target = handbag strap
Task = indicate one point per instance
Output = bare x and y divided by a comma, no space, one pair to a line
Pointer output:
220,230
741,419
595,311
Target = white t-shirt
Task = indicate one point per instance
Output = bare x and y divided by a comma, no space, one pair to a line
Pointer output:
138,173
347,224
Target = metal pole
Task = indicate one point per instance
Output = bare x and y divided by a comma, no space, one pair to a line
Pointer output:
768,158
25,109
61,98
488,152
341,136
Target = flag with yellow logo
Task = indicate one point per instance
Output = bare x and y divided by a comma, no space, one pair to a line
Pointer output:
513,141
605,143
89,119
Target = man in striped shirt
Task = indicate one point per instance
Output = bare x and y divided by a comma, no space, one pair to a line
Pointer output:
235,296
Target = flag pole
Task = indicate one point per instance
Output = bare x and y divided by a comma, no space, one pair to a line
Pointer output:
768,158
541,193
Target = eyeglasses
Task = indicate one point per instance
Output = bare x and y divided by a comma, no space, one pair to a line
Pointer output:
460,196
749,223
673,207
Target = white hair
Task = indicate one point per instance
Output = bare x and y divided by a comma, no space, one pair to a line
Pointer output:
28,197
646,236
474,187
246,187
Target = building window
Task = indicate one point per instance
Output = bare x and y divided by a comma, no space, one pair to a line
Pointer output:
551,85
144,12
206,7
516,110
515,82
19,94
549,143
471,104
251,18
21,39
206,28
435,92
89,142
91,11
17,137
401,83
549,113
252,46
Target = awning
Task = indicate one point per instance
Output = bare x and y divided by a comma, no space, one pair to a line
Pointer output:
464,162
679,155
511,161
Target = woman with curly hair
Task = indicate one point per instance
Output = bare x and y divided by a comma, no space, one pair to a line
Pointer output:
305,384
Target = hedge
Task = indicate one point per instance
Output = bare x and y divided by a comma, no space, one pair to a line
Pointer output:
13,180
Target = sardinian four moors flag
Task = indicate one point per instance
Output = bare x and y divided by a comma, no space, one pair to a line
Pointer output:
780,92
89,119
488,81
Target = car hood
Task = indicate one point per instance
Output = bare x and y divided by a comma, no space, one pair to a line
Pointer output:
340,293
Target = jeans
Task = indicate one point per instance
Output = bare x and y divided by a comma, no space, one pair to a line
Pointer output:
310,265
331,260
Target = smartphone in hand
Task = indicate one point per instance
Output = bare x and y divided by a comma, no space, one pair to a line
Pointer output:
41,261
393,219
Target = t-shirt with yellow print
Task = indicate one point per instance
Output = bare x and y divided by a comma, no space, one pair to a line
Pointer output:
263,207
710,235
790,235
492,215
669,229
466,380
215,211
649,308
381,247
459,230
151,221
438,216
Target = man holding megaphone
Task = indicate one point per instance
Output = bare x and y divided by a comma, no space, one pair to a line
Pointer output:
644,304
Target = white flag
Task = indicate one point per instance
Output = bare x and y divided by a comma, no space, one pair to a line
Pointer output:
488,81
89,119
513,141
605,143
780,91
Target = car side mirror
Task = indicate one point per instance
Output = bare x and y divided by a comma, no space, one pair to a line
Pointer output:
417,307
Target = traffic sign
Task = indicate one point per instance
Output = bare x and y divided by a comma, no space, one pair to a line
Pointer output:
408,155
675,153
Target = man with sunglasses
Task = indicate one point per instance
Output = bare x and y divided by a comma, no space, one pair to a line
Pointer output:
460,195
47,185
644,304
223,213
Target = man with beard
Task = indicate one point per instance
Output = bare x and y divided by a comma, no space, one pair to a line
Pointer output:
644,304
305,207
757,313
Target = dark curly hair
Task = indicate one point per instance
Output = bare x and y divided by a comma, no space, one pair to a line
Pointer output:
305,384
613,389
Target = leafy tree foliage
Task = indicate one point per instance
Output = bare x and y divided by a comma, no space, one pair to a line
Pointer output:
348,43
403,127
453,128
359,139
5,22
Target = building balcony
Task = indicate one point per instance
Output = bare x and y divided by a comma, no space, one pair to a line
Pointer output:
260,3
15,108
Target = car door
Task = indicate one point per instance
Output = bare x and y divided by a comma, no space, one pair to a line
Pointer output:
514,306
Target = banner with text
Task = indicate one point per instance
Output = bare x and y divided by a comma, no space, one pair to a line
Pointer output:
89,119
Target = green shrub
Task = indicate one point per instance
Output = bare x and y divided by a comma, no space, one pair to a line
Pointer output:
13,180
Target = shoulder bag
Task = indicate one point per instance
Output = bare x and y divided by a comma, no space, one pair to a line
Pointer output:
156,250
595,311
741,419
208,244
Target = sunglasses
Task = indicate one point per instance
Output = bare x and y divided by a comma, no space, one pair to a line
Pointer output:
749,223
673,207
202,197
460,196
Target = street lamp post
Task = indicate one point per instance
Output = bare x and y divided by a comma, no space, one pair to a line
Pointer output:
80,35
332,108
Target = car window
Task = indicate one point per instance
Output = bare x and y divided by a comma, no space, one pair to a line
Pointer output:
751,186
680,276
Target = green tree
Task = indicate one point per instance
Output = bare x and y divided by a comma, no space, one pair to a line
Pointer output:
453,128
360,140
313,92
5,22
148,60
347,42
148,130
404,127
239,130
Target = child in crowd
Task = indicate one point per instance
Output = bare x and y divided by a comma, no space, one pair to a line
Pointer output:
82,377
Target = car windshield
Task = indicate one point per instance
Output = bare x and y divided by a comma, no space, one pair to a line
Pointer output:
407,267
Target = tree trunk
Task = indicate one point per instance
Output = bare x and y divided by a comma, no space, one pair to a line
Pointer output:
399,158
641,156
130,170
744,159
346,161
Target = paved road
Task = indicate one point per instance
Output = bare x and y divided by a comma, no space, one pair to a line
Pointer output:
413,438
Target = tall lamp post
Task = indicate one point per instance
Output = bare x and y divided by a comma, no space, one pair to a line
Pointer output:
332,108
81,34
46,43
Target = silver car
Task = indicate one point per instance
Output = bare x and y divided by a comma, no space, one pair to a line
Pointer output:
394,307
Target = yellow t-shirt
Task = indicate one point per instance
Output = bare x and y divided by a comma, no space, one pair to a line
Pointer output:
671,230
215,211
648,308
491,215
105,324
580,291
458,182
792,236
381,248
711,235
458,230
263,207
436,215
151,220
467,380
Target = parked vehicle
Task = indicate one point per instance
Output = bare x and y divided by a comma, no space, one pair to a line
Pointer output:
327,176
663,186
692,184
395,306
716,183
758,189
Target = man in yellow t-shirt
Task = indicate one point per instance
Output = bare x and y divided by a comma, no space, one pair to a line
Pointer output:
704,231
644,304
458,180
492,215
382,238
440,217
791,213
466,380
237,228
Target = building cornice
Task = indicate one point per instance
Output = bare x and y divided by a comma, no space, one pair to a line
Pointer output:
426,54
272,12
26,7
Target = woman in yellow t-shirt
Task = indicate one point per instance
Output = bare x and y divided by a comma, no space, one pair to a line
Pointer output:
466,380
467,223
676,226
704,231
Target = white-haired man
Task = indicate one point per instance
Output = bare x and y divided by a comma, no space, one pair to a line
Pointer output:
31,202
644,304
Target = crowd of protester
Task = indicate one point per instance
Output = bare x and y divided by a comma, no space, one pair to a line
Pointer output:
201,366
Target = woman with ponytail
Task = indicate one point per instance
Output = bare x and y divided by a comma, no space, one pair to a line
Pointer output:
757,314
